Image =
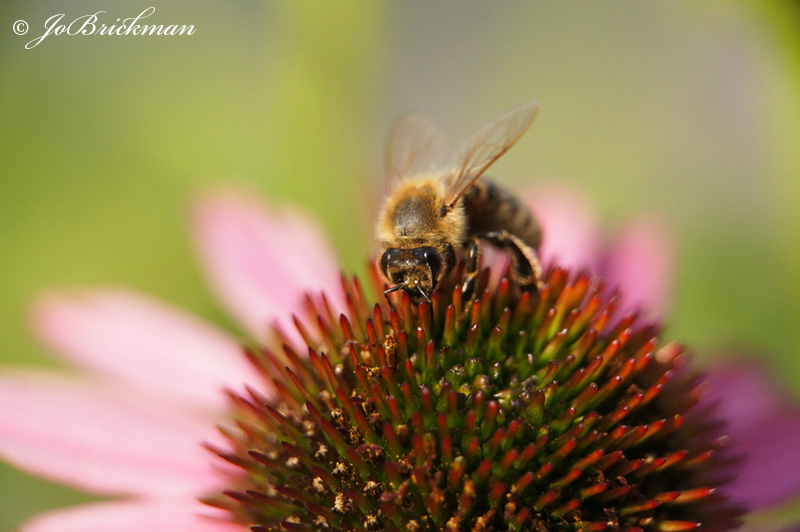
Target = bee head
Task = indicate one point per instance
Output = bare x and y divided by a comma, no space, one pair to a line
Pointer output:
417,271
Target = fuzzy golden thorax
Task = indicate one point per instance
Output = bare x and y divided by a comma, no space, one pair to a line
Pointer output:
413,216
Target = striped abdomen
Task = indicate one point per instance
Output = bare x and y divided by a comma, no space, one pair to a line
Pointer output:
490,207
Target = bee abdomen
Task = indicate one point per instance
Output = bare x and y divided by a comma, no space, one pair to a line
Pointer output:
490,207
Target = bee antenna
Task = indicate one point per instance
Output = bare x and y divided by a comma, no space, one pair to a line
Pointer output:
395,288
421,291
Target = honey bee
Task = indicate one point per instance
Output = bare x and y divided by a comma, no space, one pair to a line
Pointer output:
434,214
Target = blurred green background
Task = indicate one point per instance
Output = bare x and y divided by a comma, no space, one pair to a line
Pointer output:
685,111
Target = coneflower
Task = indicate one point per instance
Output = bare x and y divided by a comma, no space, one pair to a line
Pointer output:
507,413
518,411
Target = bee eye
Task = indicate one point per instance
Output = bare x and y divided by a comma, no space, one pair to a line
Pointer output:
387,257
433,259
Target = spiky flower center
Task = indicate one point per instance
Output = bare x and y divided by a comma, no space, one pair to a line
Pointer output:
521,412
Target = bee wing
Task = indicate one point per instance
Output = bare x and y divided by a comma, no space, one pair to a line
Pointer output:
485,147
415,146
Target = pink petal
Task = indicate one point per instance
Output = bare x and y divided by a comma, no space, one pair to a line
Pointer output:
102,439
261,262
765,429
771,472
744,392
570,232
180,515
767,524
640,263
127,336
498,260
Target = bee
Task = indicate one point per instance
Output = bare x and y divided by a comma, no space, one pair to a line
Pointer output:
435,214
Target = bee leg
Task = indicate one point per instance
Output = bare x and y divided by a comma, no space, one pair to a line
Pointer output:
526,268
473,268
